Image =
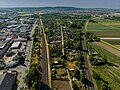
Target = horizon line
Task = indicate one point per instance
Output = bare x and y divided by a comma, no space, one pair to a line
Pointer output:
58,6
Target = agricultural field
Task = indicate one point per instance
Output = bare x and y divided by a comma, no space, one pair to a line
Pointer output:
104,24
113,42
118,46
111,57
109,73
104,28
107,34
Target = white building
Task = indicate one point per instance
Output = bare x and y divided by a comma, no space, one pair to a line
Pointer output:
16,45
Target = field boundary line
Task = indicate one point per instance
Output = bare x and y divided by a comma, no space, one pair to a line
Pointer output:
110,45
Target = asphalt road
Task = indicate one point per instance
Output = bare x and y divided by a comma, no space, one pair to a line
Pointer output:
44,61
89,84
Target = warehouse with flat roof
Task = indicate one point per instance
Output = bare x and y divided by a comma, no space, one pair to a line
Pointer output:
16,45
2,45
8,81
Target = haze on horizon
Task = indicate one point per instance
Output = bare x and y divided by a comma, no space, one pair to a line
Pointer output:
68,3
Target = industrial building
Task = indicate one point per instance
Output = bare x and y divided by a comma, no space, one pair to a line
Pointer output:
7,82
6,47
16,45
2,45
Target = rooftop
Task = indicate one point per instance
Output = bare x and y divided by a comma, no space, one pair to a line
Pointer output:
8,81
2,45
15,44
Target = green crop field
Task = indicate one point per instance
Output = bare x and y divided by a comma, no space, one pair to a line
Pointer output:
107,29
98,26
111,74
110,34
104,24
118,46
112,58
113,42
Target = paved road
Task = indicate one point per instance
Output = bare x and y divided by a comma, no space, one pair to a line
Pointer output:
44,60
89,84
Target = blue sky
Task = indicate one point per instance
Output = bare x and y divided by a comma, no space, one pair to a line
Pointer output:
74,3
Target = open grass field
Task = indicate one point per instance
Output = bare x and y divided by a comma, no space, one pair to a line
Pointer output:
111,74
105,34
104,24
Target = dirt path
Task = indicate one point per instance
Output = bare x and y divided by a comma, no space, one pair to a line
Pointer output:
108,48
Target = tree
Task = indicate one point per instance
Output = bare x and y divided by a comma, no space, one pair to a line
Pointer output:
79,60
96,76
28,38
33,77
77,73
75,87
82,78
105,59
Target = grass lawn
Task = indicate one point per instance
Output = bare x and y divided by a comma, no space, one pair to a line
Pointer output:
111,74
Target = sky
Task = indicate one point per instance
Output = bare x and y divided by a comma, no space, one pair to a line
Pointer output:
71,3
